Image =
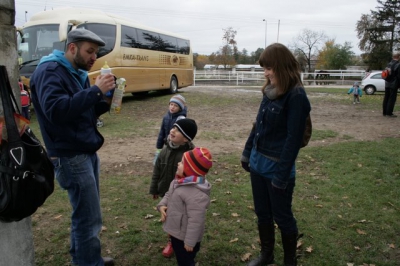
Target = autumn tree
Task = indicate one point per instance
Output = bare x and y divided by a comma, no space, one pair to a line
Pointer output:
306,44
199,61
335,56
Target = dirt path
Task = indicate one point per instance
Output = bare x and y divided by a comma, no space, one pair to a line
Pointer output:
348,120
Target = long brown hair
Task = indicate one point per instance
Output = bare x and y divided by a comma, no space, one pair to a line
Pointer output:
287,70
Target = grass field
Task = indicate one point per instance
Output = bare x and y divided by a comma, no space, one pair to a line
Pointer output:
346,201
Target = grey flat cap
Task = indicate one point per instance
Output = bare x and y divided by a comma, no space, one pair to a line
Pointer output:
83,35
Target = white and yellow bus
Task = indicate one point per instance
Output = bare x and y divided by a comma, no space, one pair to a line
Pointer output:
149,59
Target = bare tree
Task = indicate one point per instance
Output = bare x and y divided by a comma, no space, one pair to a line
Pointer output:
227,53
16,243
306,44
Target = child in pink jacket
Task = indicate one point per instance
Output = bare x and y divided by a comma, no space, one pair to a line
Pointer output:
183,208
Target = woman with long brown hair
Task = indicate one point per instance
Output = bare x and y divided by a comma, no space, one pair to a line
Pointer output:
271,150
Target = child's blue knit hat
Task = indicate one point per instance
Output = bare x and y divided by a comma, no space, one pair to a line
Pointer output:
355,84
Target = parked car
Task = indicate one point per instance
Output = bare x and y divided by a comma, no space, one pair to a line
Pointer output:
372,83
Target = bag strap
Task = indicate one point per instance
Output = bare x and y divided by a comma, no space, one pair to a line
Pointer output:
15,145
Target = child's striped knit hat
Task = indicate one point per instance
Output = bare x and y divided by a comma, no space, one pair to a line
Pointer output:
179,100
197,162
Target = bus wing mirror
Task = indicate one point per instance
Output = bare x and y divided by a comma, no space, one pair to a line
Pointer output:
63,31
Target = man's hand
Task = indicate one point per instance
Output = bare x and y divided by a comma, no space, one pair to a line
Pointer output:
105,83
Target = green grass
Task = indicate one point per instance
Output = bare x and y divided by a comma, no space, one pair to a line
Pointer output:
346,199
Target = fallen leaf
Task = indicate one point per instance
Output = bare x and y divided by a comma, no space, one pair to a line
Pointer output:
235,214
108,251
246,257
218,180
234,240
253,246
359,165
319,206
149,246
103,228
340,216
250,207
57,217
309,249
350,264
148,216
361,232
215,214
357,248
392,246
213,200
362,221
228,192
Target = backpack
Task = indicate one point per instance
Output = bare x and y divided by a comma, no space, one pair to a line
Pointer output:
25,101
387,72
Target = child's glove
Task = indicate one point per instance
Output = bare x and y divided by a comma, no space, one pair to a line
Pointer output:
156,156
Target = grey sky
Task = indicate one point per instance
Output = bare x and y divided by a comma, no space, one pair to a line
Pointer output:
202,21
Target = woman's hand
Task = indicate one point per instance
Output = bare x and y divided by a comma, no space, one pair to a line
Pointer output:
245,166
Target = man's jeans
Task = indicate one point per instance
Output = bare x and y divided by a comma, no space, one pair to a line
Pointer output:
79,175
273,204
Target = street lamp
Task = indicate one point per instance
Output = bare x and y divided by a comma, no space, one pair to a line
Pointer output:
265,40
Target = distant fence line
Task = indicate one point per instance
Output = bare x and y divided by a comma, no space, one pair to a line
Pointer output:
319,77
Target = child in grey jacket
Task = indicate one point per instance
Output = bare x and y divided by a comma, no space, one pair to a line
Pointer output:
187,200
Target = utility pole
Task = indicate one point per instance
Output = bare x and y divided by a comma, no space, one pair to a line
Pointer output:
16,241
279,23
266,26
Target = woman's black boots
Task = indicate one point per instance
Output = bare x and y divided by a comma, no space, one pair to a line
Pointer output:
289,243
267,239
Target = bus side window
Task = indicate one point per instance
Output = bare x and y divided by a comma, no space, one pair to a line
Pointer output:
129,37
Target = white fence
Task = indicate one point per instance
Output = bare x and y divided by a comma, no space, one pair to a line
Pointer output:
334,77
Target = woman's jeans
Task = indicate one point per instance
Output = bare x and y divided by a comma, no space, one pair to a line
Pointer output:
271,204
79,175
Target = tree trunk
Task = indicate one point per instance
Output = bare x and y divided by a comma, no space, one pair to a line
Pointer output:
16,242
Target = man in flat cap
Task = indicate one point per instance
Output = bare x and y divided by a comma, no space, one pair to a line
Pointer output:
67,108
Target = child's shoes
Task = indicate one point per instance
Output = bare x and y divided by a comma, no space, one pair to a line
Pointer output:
168,251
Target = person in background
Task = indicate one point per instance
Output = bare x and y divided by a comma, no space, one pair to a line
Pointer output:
183,208
357,92
179,141
177,110
67,108
271,150
25,101
391,86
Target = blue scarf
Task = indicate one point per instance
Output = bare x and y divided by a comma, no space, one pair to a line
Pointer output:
58,56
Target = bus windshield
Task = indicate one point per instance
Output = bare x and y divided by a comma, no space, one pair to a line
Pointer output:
38,41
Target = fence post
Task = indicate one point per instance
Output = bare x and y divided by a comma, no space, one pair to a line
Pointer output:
194,77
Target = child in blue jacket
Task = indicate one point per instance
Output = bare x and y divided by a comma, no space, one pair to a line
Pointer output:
357,92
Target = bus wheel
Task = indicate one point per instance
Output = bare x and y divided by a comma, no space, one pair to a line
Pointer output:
173,88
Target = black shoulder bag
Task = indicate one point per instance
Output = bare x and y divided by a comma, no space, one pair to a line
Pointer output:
26,173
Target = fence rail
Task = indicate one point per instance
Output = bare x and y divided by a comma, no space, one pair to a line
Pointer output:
333,77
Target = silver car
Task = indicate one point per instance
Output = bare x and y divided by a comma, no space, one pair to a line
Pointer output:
372,83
